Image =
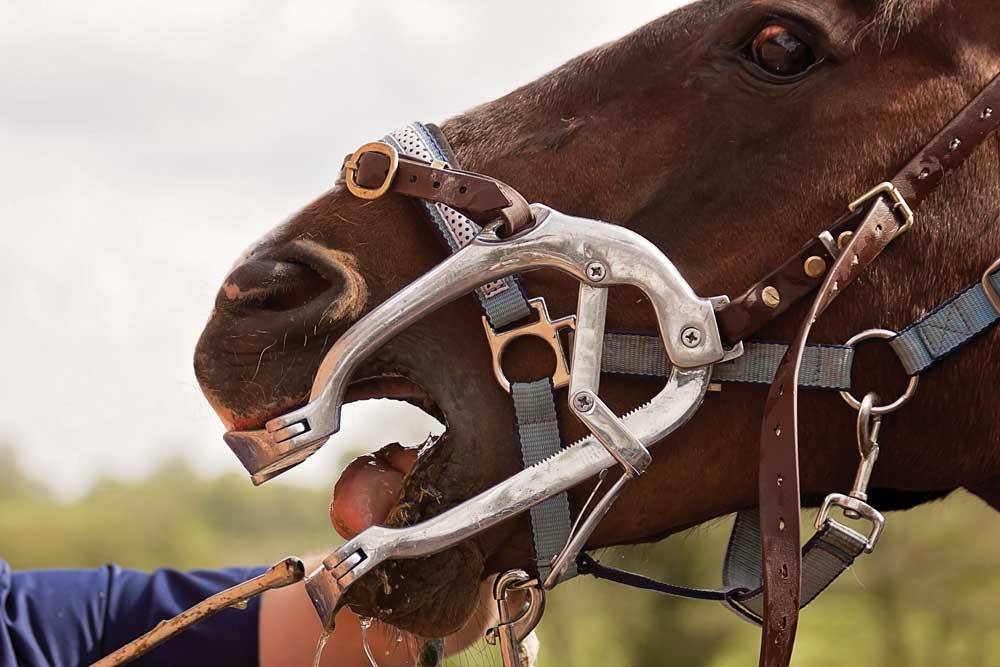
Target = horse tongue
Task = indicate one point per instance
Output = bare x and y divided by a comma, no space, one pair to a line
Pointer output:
369,488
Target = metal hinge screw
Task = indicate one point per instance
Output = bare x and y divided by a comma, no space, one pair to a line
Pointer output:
584,401
597,271
691,337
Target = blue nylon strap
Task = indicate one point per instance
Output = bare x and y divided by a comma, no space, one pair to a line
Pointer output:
538,430
504,303
946,328
830,553
823,366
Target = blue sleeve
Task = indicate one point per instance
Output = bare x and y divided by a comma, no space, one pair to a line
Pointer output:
70,618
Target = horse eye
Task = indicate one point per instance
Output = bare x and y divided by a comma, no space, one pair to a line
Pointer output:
780,53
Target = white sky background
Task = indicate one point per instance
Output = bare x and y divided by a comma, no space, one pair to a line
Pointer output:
144,144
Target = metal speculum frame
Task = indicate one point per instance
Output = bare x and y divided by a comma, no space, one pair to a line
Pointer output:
686,322
691,340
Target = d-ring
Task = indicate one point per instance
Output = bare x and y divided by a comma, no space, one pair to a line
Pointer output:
880,334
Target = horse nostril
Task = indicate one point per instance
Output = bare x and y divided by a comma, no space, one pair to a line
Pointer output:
272,285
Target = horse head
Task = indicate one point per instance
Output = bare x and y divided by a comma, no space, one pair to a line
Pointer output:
728,133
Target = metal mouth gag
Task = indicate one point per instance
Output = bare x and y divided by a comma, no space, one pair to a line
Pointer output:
576,246
600,256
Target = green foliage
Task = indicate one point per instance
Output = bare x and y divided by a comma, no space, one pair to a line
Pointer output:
172,518
923,599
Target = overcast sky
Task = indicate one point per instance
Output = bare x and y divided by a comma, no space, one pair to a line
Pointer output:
144,144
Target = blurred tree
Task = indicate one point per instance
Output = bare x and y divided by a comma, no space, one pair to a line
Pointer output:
14,483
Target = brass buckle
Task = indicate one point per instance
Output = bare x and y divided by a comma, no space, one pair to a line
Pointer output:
351,170
901,206
991,292
546,329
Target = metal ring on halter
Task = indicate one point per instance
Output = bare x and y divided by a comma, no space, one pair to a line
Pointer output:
880,334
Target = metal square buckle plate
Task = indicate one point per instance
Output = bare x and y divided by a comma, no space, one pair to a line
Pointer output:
991,291
545,328
351,170
900,204
863,511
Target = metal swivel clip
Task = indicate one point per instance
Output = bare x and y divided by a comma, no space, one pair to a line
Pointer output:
855,504
516,622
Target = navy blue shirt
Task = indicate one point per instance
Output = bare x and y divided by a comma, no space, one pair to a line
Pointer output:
70,618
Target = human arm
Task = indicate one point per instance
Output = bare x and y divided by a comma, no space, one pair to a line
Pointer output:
290,628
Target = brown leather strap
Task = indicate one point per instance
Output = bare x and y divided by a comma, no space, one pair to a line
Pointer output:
482,198
748,313
778,481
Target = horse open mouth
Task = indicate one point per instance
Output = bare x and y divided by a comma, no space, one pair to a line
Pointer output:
399,486
370,487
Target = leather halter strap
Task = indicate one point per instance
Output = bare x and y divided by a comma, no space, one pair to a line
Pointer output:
376,169
748,313
778,480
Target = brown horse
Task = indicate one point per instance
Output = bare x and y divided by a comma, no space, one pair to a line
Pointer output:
728,133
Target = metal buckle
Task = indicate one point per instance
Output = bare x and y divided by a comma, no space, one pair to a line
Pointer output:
901,205
546,329
861,509
351,170
991,292
911,388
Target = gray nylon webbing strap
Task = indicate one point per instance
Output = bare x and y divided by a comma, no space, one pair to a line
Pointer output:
946,328
829,554
823,366
504,303
502,300
538,428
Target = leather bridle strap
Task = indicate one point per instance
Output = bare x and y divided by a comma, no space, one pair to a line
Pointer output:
374,169
778,483
789,283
